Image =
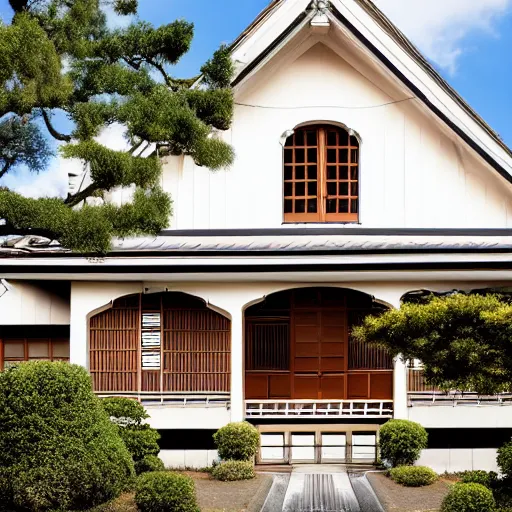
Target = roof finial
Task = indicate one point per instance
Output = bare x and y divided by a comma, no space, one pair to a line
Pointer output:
320,22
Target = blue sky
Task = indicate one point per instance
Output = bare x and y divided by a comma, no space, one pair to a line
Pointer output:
468,41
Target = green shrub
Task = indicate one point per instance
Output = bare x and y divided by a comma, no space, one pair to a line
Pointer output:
413,476
401,442
232,470
140,439
58,449
237,441
149,463
504,459
468,498
165,491
484,478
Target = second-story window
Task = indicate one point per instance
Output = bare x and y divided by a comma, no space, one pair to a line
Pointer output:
321,175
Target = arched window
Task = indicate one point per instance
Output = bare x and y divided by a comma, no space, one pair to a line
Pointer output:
321,175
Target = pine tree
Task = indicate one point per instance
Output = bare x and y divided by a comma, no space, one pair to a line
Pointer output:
60,55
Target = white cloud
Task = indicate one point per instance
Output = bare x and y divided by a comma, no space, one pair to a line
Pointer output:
114,20
440,28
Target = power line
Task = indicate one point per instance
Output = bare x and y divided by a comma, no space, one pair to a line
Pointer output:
268,107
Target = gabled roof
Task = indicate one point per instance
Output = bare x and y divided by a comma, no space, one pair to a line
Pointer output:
503,165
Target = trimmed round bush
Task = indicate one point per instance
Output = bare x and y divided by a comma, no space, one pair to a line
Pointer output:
140,439
401,442
468,498
232,470
149,463
484,478
413,476
58,449
165,491
504,459
237,441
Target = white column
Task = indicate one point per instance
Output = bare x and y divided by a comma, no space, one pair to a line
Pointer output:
237,366
400,389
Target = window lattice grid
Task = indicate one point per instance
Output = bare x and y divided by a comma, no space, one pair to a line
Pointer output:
342,170
321,175
301,173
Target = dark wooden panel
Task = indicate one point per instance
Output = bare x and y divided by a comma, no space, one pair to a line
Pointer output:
307,349
307,364
279,386
332,387
381,385
332,364
333,349
306,387
256,386
357,386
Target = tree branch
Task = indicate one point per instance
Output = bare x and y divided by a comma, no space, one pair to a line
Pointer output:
160,68
6,167
53,132
73,200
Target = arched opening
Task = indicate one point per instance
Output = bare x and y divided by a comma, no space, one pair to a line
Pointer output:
298,346
160,343
321,175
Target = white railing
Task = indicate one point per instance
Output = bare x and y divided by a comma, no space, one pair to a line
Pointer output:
289,409
176,399
457,398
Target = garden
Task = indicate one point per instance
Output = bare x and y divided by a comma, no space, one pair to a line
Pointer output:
64,449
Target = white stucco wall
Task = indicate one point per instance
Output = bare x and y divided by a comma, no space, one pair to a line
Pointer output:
189,459
168,417
414,173
454,460
32,303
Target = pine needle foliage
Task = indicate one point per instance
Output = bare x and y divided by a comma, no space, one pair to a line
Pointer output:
464,341
61,56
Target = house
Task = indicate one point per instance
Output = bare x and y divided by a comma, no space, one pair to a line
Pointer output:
361,179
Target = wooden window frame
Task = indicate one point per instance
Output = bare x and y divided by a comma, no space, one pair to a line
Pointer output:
323,180
26,342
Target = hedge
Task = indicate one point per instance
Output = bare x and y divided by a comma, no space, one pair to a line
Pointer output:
413,476
237,441
469,498
58,449
401,442
232,470
484,478
149,463
165,492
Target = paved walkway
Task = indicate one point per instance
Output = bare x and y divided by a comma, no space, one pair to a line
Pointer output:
320,488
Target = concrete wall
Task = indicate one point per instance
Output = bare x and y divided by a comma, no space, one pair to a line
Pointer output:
196,459
169,417
33,303
453,460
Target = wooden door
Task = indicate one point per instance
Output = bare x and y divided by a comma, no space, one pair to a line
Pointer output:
318,353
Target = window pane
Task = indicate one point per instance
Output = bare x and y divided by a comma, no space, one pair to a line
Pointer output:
354,156
312,188
353,189
354,141
343,156
288,172
38,349
300,172
331,188
354,172
354,206
331,206
288,189
343,172
300,189
14,349
312,174
344,189
299,138
60,349
331,172
332,139
312,156
343,138
312,205
343,206
331,156
289,141
300,206
311,136
300,156
288,156
288,206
